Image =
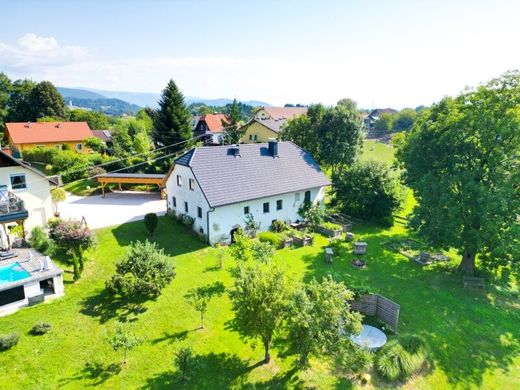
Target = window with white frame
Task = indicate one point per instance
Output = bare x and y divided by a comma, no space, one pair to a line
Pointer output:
18,182
192,184
179,180
79,147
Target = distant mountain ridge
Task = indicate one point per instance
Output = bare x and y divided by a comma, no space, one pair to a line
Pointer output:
143,99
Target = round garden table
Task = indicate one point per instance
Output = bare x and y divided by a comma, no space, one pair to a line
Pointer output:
370,337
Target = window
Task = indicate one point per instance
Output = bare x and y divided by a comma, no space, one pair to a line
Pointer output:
297,196
18,182
192,184
250,137
307,196
186,206
174,201
279,204
246,210
199,212
266,207
256,137
79,147
179,180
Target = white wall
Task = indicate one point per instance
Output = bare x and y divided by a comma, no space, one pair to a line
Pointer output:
183,194
224,219
36,197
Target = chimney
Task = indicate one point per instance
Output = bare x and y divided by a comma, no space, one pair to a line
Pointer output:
235,149
272,145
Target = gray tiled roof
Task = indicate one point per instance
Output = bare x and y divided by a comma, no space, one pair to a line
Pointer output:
226,179
273,124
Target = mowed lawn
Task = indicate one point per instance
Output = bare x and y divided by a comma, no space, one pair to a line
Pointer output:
473,334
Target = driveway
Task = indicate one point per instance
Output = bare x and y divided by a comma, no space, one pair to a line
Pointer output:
114,209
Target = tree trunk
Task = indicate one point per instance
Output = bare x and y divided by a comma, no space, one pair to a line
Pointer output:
202,320
267,356
467,263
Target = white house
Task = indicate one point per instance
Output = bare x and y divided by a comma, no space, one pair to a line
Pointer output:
25,194
218,186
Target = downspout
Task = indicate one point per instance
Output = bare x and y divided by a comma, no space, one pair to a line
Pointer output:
207,221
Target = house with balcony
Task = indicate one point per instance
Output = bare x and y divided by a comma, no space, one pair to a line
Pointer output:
21,136
210,128
25,195
220,186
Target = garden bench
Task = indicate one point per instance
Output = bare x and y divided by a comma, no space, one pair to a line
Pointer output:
328,254
472,281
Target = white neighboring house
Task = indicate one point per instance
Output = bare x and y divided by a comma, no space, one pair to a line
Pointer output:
218,186
25,194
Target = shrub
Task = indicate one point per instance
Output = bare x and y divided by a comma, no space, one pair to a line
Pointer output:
274,239
49,169
150,221
96,171
185,219
41,242
399,359
278,226
262,251
368,190
330,225
142,273
41,328
8,341
313,213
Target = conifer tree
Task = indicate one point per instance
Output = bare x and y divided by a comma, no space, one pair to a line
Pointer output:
172,120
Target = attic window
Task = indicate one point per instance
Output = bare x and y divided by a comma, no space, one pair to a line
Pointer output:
179,180
192,184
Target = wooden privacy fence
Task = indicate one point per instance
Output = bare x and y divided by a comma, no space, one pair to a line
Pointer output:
379,306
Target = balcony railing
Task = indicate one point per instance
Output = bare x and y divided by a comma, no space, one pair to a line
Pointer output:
10,203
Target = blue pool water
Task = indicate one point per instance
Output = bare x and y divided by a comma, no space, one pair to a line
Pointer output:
12,272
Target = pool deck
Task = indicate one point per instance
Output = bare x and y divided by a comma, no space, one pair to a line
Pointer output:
32,265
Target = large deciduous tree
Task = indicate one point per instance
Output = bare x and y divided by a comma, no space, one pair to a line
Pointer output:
46,101
259,300
462,162
5,91
19,104
171,122
302,129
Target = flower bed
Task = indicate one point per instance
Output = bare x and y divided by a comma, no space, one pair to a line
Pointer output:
330,229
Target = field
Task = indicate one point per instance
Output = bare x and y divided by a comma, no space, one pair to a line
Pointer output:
473,334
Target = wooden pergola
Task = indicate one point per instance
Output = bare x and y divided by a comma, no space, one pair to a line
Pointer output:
132,178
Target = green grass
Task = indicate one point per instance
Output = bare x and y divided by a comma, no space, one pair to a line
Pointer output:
91,187
375,150
473,334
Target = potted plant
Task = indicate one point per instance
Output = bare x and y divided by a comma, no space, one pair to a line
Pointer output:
58,195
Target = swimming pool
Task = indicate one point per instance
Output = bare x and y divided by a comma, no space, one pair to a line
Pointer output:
12,272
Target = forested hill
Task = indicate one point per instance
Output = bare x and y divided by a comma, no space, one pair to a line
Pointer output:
104,105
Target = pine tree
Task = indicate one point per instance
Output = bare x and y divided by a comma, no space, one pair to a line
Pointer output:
46,101
172,120
233,133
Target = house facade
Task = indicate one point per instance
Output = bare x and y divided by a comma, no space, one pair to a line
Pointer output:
25,194
26,135
261,130
371,118
210,127
219,186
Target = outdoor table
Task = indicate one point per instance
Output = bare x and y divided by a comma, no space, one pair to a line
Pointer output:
370,337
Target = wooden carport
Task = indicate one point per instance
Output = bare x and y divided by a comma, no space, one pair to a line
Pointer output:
132,178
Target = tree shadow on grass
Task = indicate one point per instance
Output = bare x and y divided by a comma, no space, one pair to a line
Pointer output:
95,372
105,306
468,333
172,337
211,371
175,238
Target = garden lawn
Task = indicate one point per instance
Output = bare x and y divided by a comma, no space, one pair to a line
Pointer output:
379,151
473,334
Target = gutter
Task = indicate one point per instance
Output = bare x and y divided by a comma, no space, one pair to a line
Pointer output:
207,221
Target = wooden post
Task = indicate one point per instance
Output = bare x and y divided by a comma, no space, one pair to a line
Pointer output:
103,188
120,189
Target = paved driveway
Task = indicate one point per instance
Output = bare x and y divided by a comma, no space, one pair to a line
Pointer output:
114,209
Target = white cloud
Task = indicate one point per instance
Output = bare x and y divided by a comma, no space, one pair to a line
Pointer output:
418,76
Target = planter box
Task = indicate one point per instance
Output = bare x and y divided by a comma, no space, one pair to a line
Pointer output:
287,243
329,232
347,227
306,241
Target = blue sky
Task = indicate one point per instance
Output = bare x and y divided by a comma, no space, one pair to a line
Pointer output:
380,53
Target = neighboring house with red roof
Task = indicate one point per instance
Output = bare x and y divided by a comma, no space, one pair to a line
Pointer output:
211,127
26,135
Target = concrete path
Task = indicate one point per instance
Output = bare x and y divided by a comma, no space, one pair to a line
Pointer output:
114,209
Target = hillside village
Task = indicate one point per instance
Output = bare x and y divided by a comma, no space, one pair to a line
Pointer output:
160,240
